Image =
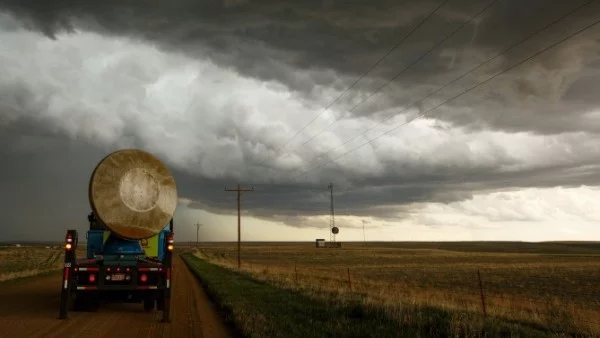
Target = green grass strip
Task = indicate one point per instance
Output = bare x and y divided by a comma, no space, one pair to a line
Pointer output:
259,309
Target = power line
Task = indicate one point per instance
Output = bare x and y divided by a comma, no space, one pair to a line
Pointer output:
455,80
456,96
406,36
419,59
458,78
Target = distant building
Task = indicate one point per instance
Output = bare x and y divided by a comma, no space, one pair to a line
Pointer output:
320,243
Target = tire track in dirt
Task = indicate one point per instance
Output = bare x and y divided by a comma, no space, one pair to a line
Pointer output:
29,308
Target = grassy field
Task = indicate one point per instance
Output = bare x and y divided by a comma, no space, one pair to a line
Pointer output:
550,286
18,262
260,309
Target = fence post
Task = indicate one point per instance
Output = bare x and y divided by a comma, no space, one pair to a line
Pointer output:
349,280
481,293
296,271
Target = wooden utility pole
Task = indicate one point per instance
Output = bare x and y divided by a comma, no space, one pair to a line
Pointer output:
239,194
198,225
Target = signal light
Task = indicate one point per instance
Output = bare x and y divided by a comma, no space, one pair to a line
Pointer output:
143,278
68,246
92,278
170,247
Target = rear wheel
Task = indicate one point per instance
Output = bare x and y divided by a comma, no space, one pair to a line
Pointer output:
79,302
93,303
86,302
149,304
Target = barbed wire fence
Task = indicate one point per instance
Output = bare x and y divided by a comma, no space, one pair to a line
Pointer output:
533,297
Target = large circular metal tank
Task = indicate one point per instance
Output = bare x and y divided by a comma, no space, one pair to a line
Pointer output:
133,193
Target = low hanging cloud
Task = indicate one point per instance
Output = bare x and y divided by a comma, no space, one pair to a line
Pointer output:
215,89
551,207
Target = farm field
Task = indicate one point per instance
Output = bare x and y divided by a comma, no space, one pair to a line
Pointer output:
550,286
25,261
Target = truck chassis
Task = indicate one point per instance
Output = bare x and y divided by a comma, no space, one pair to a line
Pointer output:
122,278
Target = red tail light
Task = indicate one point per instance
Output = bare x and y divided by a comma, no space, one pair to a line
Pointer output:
92,278
143,278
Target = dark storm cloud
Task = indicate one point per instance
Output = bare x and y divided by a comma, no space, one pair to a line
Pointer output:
44,182
304,44
296,42
48,173
388,198
261,39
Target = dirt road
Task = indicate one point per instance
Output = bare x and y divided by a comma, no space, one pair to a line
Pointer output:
29,308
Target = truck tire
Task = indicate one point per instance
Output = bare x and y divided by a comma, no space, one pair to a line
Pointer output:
93,303
160,304
149,304
79,303
86,303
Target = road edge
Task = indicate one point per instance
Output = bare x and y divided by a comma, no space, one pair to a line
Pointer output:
223,312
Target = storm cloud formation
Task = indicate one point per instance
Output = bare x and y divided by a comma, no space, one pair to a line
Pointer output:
216,88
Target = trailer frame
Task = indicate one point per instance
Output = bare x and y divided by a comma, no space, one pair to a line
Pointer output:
150,280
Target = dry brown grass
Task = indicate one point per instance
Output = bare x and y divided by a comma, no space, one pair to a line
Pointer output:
556,291
30,261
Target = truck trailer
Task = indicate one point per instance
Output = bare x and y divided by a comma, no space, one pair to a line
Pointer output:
129,249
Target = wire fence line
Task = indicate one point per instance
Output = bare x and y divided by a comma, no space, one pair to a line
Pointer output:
481,289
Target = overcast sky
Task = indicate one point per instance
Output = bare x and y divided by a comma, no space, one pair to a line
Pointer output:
472,140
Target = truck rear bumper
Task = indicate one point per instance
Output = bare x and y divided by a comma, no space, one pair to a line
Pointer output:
76,288
126,296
